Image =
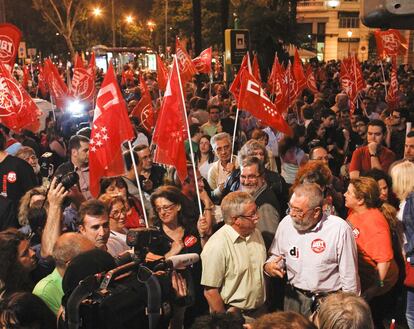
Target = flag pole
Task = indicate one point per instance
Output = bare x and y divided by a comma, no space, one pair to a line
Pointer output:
141,198
189,136
53,108
383,78
234,134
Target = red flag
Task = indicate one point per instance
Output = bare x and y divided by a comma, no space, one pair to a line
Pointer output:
390,43
26,74
352,80
391,98
162,74
253,99
41,81
10,37
291,86
186,66
127,75
235,86
58,89
170,129
256,68
111,127
311,80
17,109
83,81
298,72
203,62
144,110
277,86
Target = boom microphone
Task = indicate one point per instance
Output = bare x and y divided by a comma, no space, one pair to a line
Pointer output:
179,262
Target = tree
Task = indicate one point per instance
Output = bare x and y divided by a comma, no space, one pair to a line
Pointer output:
64,15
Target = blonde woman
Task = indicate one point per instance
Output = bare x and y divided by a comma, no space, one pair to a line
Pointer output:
402,175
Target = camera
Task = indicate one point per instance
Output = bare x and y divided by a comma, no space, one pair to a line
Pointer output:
134,295
67,180
46,162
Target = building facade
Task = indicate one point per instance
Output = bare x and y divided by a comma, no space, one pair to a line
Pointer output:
334,29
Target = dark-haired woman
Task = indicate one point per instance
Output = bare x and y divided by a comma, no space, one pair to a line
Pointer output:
182,237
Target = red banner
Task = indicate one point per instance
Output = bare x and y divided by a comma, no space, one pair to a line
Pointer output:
17,109
391,98
111,127
162,74
10,37
390,43
83,81
144,110
256,68
58,89
170,130
186,66
235,86
253,99
203,62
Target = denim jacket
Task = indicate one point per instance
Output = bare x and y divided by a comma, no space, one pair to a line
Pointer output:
408,221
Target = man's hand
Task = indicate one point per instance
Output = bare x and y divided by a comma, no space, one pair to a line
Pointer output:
275,267
372,147
179,284
230,167
203,226
57,193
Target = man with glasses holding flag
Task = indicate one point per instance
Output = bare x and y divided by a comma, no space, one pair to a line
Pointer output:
317,251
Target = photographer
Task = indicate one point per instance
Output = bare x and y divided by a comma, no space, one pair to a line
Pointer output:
79,159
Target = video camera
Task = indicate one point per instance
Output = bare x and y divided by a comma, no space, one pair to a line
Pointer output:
136,294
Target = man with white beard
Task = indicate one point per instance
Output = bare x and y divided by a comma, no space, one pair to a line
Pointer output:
252,181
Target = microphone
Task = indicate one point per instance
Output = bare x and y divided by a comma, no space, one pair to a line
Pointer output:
179,262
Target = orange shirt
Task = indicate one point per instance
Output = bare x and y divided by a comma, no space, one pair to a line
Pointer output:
372,235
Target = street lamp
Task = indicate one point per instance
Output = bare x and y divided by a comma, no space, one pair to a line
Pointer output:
349,34
151,26
332,3
129,19
97,11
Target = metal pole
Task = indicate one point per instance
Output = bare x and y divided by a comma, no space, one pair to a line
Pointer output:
113,24
166,26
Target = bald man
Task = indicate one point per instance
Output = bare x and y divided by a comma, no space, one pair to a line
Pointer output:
67,247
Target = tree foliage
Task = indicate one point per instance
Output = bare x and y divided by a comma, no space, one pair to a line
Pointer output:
63,15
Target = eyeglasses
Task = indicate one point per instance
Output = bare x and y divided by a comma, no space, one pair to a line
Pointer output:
299,212
224,148
251,217
165,208
118,213
250,177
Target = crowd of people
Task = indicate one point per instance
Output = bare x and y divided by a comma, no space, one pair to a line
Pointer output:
309,230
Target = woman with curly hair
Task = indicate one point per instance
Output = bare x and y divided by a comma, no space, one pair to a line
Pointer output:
28,200
17,261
